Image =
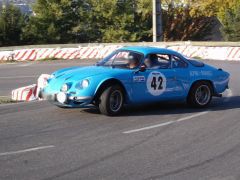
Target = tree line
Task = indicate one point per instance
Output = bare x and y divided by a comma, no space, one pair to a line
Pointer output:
84,21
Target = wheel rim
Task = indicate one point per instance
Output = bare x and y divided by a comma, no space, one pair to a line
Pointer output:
203,95
116,100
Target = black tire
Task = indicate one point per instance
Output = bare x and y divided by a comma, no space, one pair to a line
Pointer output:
107,105
198,88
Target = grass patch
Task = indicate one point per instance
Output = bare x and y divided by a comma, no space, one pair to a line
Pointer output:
6,100
8,61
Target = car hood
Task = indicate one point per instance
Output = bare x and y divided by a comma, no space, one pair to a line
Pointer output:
74,75
78,73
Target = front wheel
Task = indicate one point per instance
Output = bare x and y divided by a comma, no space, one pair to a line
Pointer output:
111,100
200,94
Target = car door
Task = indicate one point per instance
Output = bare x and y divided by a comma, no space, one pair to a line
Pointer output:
180,67
156,83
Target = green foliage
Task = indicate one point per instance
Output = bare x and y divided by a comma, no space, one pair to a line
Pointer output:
121,21
11,23
89,21
230,18
115,21
54,22
79,21
226,11
182,21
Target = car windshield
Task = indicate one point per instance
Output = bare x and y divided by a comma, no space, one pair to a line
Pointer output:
122,59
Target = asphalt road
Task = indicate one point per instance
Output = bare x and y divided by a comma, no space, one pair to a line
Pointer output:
161,141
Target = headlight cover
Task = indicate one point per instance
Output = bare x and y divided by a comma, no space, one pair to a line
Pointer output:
64,88
61,97
82,84
85,84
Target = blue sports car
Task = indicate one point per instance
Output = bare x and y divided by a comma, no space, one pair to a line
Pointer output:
136,75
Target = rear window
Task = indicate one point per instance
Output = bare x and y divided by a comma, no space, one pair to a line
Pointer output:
196,63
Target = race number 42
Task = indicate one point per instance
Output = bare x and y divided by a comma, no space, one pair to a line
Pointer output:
156,83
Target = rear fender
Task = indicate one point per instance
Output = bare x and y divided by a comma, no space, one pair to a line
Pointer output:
205,80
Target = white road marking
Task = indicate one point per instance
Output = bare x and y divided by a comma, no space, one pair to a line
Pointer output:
166,123
26,150
149,127
192,116
17,77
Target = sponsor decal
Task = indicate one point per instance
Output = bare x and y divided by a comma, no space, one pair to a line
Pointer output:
139,79
200,73
156,83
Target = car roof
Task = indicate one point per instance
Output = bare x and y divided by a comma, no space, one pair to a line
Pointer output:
148,50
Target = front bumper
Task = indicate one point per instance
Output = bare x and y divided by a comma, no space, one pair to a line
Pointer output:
71,101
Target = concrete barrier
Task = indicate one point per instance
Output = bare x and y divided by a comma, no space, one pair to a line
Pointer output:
31,92
214,53
231,53
28,93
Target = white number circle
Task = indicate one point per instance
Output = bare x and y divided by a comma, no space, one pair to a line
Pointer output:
156,83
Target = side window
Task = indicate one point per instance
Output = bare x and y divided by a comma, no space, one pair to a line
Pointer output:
158,61
178,63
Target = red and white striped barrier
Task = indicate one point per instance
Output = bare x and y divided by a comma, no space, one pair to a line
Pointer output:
98,52
31,92
6,55
95,52
216,53
28,93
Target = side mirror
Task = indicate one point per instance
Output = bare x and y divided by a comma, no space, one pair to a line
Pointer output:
142,68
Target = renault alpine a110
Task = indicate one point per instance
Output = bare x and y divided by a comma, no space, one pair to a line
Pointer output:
136,75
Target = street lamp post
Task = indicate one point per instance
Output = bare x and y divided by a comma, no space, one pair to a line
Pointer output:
157,21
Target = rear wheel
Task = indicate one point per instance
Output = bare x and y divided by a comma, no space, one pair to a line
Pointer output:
200,94
111,100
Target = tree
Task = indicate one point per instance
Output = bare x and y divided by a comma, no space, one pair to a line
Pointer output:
230,19
120,20
67,21
11,23
54,22
79,21
199,16
125,20
187,20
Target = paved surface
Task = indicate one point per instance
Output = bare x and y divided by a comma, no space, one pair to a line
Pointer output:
13,76
169,141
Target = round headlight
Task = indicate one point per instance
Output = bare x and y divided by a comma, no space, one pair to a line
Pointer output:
85,83
64,88
61,97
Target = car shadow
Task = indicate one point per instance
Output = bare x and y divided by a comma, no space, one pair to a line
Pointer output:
165,108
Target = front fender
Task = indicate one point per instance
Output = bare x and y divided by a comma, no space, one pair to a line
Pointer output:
112,80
